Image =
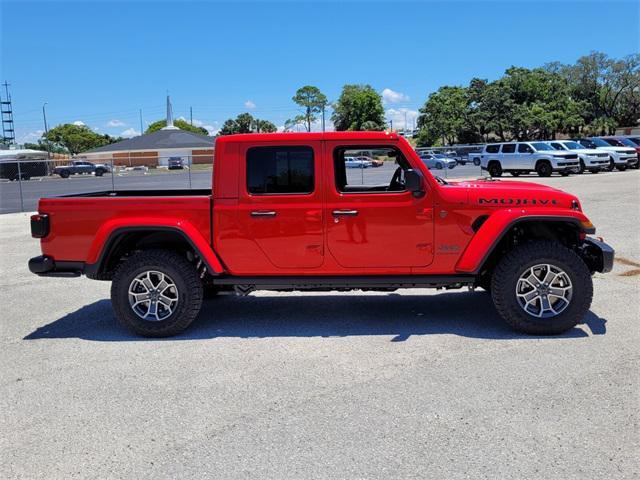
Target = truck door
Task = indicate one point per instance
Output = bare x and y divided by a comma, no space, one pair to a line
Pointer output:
280,202
371,219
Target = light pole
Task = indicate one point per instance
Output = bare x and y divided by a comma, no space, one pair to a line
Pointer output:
46,129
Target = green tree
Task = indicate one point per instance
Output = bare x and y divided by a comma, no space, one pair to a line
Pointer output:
358,107
77,138
246,123
444,115
312,100
265,126
181,124
44,146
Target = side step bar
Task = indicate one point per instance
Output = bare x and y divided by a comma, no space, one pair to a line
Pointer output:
355,282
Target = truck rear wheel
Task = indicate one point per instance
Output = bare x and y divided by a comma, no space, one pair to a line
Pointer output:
156,293
542,288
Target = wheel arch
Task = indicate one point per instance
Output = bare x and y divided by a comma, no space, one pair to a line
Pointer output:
496,237
123,240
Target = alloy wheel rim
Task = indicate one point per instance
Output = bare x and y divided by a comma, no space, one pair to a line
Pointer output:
153,296
544,291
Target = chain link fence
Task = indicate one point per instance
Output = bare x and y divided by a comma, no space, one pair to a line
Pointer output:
23,182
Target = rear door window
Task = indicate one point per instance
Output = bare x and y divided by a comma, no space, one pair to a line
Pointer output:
280,170
508,148
493,148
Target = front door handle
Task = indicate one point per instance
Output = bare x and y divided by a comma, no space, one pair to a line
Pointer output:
263,213
345,213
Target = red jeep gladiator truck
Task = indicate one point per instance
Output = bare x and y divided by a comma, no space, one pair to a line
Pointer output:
286,214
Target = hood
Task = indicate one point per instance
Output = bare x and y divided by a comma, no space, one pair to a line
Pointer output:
618,149
500,194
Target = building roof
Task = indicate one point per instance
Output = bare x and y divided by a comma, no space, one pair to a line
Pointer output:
157,141
22,153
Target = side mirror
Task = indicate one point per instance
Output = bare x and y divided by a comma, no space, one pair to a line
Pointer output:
414,182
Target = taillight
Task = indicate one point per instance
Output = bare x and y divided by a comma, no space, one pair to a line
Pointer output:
39,225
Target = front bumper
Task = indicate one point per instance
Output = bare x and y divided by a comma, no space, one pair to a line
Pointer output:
597,254
45,266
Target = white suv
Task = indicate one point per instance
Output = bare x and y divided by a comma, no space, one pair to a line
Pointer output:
590,158
619,157
524,157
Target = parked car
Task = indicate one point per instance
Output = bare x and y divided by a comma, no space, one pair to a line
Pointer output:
618,156
175,163
524,157
375,162
80,167
626,142
353,162
590,159
437,162
298,224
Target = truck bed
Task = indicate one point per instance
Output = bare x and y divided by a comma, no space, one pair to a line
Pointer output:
140,193
77,221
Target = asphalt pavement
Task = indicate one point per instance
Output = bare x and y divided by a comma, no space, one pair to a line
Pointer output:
412,384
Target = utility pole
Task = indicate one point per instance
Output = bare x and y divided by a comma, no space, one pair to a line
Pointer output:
141,124
191,116
46,129
405,122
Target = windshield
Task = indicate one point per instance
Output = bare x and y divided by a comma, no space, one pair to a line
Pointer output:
626,142
541,146
635,140
572,145
598,142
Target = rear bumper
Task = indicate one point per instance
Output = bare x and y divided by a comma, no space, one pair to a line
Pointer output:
598,255
45,266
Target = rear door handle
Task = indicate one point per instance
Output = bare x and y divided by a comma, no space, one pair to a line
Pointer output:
345,213
263,213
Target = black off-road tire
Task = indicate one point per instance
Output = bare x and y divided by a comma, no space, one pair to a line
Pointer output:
612,165
65,173
186,279
99,172
517,261
544,169
582,167
495,169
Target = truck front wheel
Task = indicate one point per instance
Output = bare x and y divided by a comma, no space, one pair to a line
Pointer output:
542,288
156,293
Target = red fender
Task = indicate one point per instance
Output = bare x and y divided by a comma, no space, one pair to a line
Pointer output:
499,223
190,233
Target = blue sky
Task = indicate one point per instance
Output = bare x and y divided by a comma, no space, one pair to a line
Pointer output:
99,63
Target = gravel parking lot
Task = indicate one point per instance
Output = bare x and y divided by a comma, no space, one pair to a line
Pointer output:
413,384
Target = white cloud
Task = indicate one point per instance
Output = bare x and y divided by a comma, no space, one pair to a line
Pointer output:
31,137
79,123
116,123
130,132
249,104
390,96
398,116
